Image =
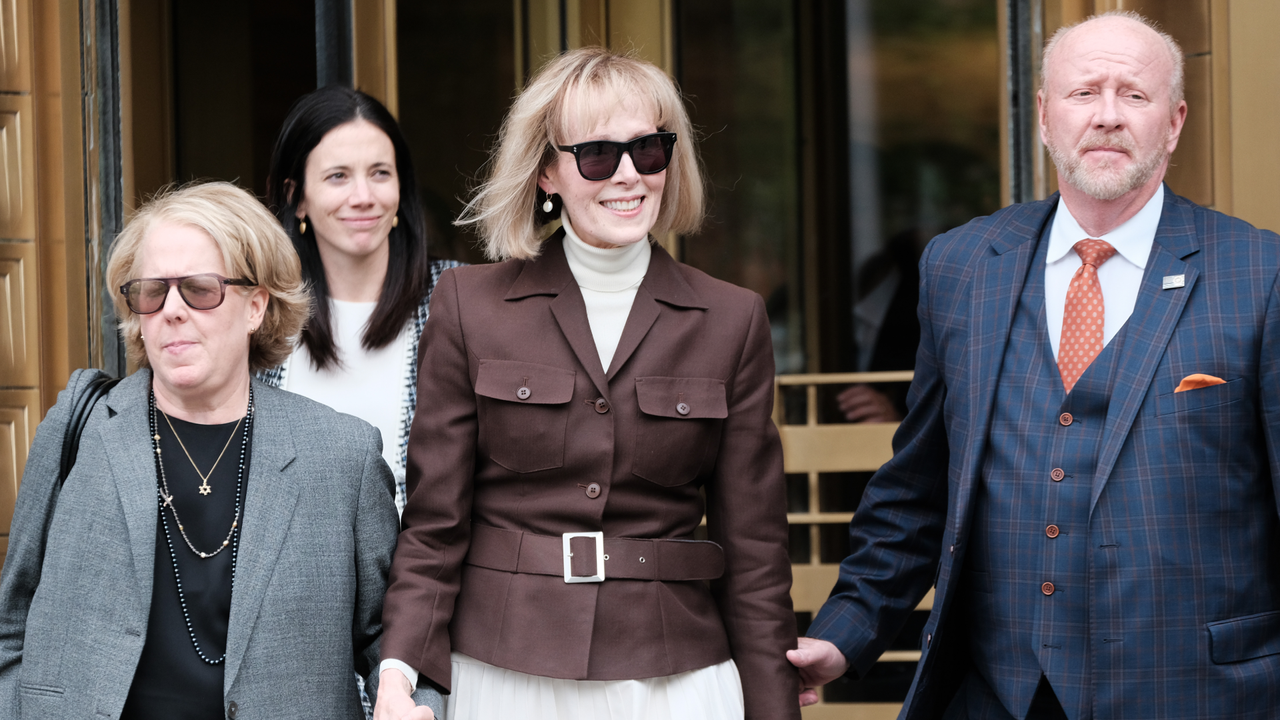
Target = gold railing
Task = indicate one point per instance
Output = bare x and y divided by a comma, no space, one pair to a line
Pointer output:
814,448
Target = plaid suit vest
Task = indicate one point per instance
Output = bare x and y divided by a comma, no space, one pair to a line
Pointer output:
1026,571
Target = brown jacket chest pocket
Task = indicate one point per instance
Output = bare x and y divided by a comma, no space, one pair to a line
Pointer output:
678,431
523,411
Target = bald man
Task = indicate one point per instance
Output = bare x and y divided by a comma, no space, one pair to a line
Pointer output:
1088,469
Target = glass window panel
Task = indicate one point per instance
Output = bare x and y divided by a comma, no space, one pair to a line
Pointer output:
737,67
456,80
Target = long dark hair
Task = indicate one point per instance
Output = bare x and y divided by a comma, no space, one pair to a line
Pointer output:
409,265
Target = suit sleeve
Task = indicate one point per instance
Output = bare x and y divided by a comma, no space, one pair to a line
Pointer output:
746,515
37,498
375,541
1269,386
896,534
425,576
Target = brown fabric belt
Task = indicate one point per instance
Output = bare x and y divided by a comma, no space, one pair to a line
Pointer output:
628,558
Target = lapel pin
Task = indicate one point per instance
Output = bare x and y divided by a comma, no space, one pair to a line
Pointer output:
1173,281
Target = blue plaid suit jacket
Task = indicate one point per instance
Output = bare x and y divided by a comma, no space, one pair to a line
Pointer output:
1184,525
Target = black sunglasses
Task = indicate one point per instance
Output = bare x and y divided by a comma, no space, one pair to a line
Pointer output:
599,159
201,292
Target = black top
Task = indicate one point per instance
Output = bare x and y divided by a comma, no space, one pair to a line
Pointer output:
171,680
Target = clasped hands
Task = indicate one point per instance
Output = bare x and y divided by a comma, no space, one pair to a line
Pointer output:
395,701
819,662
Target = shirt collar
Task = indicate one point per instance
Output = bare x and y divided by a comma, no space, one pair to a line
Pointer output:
1132,240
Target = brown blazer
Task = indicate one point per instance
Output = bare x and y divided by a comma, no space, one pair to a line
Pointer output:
521,429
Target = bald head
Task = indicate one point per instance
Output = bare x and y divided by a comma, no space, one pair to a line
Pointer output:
1126,22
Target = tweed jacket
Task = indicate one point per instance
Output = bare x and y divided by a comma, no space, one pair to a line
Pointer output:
319,530
627,450
1183,527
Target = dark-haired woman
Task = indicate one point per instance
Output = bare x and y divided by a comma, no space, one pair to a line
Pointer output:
342,184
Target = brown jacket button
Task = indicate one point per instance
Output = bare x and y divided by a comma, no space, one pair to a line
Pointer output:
682,408
602,405
1047,588
1057,474
232,710
1052,531
1065,418
524,393
593,490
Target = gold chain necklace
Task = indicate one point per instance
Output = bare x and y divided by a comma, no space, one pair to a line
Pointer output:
204,477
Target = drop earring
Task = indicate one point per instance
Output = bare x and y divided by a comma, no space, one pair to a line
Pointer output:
395,221
547,206
302,227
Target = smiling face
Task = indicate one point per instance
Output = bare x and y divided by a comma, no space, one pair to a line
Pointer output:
1106,111
195,354
351,194
622,209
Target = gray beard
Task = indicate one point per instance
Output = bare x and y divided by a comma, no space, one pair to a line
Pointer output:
1105,184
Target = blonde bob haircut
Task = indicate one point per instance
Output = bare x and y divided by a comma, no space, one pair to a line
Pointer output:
581,87
253,246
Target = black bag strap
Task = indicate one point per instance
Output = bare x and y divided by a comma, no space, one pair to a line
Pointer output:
80,410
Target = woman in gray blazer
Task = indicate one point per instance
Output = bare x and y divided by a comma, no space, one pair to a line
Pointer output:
220,548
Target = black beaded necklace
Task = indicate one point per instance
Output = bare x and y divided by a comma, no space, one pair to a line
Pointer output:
166,500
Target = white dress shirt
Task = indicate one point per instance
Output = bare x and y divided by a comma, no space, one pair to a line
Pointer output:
1120,276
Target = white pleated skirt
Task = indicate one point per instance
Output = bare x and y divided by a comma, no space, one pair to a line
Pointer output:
484,692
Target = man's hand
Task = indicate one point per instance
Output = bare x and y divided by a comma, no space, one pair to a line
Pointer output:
865,404
818,661
394,702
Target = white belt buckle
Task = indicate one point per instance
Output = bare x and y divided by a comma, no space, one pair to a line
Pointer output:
569,577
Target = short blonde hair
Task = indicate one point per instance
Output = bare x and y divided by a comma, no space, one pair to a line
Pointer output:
505,206
253,246
1177,81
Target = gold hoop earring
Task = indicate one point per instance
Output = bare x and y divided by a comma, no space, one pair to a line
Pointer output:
302,227
395,221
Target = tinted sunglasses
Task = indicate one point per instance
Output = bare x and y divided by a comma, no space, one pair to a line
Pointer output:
599,159
201,292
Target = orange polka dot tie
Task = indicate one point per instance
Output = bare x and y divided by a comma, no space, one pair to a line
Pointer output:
1083,315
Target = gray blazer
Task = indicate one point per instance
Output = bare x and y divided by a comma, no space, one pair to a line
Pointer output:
319,529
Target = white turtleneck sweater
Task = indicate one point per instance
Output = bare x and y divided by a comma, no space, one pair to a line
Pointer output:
609,279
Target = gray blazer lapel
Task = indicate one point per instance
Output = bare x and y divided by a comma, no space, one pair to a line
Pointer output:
1147,333
126,436
999,276
271,498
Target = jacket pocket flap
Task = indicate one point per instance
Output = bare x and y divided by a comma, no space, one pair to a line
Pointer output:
523,382
1244,638
1200,398
682,398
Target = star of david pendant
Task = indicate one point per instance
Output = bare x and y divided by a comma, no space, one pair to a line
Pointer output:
205,489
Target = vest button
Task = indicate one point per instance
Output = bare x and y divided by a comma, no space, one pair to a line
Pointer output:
1065,418
1052,531
602,405
524,393
232,709
593,490
1047,588
1056,475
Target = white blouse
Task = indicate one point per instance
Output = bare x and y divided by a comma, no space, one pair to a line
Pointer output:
367,384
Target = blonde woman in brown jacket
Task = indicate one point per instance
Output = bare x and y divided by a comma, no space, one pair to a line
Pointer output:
587,400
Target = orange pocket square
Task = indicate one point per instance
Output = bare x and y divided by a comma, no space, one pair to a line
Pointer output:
1198,380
